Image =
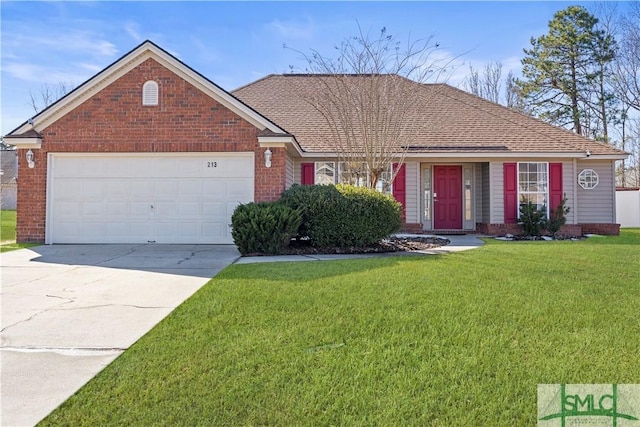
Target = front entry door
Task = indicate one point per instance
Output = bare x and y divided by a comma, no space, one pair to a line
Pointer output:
447,197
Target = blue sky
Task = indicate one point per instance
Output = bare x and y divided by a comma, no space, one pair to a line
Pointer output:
235,43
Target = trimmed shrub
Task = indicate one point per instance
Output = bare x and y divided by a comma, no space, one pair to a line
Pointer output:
371,215
343,215
264,227
313,202
532,219
558,218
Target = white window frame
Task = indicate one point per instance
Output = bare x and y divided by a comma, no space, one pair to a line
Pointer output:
588,179
321,178
545,193
324,173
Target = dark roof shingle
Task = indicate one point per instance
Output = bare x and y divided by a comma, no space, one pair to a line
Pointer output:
451,121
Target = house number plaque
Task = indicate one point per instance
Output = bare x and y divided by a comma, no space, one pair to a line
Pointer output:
212,164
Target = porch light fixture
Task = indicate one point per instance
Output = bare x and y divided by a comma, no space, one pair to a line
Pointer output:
267,158
30,162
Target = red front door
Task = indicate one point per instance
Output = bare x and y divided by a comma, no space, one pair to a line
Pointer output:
447,197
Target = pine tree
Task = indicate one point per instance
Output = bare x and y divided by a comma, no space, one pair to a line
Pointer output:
564,68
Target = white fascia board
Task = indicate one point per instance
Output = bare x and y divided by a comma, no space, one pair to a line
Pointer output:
21,142
288,142
126,64
604,157
473,156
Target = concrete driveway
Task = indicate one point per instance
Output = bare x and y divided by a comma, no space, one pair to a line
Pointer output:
70,310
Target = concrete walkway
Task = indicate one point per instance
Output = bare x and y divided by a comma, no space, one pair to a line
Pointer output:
70,310
458,243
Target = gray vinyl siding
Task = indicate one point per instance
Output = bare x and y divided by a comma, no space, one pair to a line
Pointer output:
412,196
484,196
289,173
597,205
569,184
496,192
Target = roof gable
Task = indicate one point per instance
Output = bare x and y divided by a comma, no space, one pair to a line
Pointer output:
125,64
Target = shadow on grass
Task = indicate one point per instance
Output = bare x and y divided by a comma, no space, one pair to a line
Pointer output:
314,270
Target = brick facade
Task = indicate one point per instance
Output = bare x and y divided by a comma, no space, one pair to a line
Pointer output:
604,229
114,121
567,230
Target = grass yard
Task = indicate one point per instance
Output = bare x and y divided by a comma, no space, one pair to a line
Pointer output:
7,225
8,232
454,340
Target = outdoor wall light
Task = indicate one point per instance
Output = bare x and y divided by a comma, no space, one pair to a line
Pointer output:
267,158
30,161
588,153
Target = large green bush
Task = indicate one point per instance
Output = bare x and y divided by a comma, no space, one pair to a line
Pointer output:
264,227
343,215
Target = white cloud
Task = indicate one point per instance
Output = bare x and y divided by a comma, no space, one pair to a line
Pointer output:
94,68
293,30
44,74
77,41
133,29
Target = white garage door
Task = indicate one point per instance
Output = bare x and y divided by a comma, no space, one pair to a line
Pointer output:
142,198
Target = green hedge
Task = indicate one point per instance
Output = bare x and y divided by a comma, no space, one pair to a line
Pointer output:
343,215
264,227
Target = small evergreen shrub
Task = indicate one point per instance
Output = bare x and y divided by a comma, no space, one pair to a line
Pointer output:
532,219
343,215
313,202
264,227
371,215
557,218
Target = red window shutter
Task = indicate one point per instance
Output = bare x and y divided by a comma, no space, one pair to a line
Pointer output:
308,173
510,193
400,187
555,185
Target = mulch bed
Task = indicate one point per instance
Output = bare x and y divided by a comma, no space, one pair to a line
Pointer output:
392,244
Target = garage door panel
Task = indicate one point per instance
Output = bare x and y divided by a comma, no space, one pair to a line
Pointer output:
141,188
214,210
165,189
140,210
189,209
239,187
117,209
68,189
94,210
67,209
189,230
177,198
214,230
214,189
163,211
117,188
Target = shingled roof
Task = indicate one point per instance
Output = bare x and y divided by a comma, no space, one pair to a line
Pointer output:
451,121
8,166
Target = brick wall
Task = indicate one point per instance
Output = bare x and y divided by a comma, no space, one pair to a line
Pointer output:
567,230
114,120
412,228
604,229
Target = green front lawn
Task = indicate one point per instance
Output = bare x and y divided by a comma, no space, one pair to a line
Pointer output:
7,225
8,232
453,340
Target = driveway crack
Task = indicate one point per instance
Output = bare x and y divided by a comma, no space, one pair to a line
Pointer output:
132,250
33,316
